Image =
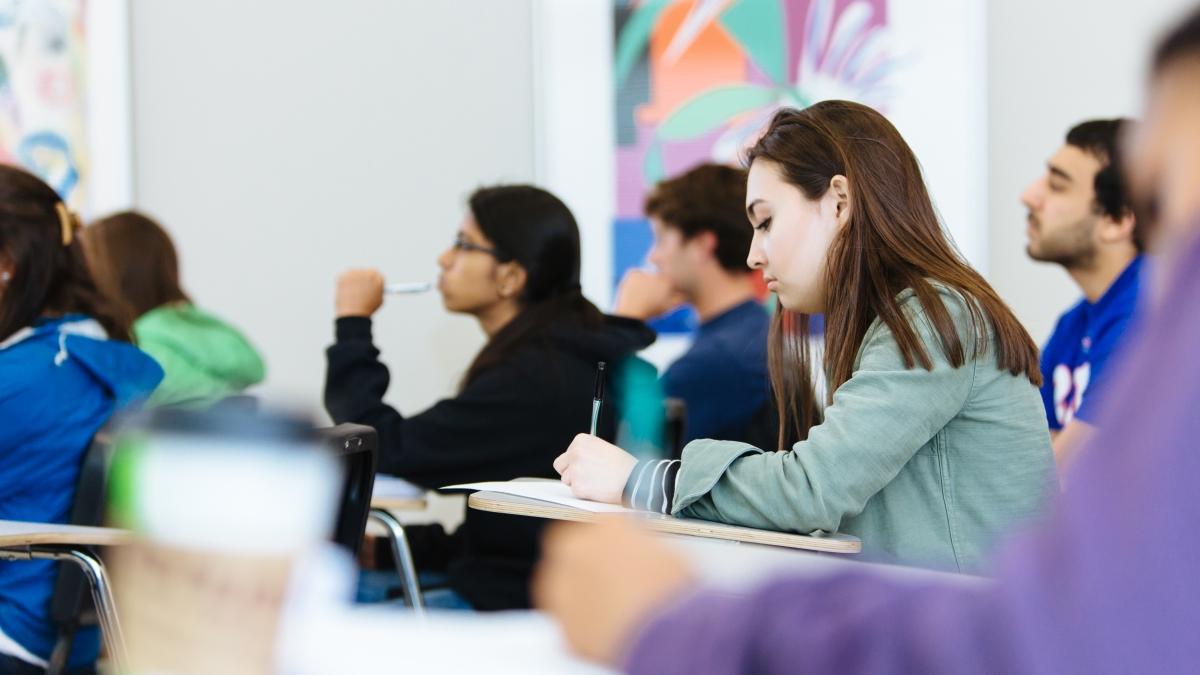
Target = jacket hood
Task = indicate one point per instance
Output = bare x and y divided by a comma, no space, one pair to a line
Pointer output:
124,370
200,341
614,339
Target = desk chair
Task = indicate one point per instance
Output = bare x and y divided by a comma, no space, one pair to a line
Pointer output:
358,445
762,431
237,403
674,426
70,607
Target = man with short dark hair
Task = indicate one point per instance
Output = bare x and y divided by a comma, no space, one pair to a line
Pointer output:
1080,218
701,239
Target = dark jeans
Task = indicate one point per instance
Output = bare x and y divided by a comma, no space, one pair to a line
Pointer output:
385,586
11,665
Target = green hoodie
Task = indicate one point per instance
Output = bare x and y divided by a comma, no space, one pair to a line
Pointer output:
204,358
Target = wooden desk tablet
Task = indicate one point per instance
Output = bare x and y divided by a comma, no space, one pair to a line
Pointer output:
17,534
522,506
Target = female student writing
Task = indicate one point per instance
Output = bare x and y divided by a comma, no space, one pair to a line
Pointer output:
66,365
932,440
514,266
205,359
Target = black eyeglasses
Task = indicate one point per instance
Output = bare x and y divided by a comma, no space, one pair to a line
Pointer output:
461,244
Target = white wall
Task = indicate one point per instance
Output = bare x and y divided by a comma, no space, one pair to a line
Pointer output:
281,142
1050,66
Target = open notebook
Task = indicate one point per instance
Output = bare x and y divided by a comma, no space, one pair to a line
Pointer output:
547,491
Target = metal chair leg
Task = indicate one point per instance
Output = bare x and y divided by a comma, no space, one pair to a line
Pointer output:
93,569
403,556
106,606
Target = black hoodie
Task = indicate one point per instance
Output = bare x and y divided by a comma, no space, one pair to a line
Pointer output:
510,421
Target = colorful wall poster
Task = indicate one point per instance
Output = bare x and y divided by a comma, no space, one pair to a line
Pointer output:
42,87
64,97
697,81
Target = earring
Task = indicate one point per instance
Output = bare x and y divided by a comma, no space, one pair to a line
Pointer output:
5,276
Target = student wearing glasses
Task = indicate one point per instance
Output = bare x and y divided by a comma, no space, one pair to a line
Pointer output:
514,266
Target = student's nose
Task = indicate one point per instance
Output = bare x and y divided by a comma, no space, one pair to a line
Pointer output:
757,258
445,259
654,256
1031,198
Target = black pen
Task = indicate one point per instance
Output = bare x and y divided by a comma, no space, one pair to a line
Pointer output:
598,397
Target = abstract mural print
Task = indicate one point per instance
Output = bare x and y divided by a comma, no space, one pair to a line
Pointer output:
698,80
43,88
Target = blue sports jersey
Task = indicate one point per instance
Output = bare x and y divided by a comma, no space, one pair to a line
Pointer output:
1077,356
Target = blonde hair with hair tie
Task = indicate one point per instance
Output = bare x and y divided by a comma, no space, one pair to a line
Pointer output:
68,222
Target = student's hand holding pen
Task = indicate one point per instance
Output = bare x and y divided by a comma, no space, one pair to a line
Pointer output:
359,293
595,469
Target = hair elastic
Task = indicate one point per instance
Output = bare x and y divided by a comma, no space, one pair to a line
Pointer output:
67,222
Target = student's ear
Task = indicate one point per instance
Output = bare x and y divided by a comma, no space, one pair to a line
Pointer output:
510,279
705,241
1116,230
839,187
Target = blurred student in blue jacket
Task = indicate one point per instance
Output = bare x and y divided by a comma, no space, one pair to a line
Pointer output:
66,365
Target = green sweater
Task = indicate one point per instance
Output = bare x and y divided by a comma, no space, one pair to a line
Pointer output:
204,359
926,467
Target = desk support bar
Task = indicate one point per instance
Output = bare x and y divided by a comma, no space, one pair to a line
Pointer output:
106,608
403,556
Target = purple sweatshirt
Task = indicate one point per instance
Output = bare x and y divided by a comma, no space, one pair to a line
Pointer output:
1109,584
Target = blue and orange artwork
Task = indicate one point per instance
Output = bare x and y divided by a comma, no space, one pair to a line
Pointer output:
698,80
42,88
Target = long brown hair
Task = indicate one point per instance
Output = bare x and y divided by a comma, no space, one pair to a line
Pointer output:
892,241
134,262
38,238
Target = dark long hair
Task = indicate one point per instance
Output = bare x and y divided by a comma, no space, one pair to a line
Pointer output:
533,228
893,240
134,261
49,276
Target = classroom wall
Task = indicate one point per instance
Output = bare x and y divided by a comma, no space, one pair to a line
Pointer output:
1050,66
281,142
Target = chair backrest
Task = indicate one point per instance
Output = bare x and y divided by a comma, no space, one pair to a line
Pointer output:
357,446
674,426
71,603
762,431
237,403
